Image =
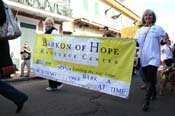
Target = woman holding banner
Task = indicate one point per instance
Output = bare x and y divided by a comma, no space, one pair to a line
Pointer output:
50,29
149,37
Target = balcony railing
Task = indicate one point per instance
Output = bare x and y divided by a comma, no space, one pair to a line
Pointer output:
48,5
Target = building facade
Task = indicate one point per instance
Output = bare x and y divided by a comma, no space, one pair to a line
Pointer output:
30,15
90,16
77,17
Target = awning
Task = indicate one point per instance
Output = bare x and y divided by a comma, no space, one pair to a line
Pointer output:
124,10
92,23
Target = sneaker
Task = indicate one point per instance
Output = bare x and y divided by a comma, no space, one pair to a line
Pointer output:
60,86
21,75
153,97
51,89
21,104
27,76
145,106
143,87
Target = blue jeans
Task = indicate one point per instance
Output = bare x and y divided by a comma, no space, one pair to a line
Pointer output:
11,93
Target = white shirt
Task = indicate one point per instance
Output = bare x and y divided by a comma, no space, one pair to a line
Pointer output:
150,46
6,1
167,53
55,31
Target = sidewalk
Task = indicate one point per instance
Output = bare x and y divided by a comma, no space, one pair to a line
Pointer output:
16,77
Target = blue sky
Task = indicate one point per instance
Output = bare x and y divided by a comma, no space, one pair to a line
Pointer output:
164,9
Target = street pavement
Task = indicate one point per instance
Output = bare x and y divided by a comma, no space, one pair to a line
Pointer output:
76,101
16,77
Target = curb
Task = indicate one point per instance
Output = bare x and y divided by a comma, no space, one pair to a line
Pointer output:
22,79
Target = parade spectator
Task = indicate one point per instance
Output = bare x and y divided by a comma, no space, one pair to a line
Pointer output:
26,56
149,37
50,29
167,52
107,32
6,90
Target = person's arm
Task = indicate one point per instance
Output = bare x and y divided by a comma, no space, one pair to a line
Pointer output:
172,47
28,50
169,47
138,39
135,61
163,35
22,50
162,51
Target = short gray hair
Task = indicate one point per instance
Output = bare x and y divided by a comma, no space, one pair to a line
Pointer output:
50,20
150,12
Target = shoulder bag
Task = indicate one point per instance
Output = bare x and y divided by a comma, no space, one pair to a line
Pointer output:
10,29
139,64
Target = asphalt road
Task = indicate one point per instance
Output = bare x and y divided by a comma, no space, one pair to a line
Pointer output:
76,101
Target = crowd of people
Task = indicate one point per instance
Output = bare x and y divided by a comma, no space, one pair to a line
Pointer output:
153,43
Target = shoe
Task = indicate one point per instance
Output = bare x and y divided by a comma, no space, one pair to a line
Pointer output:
51,89
21,104
153,97
27,76
21,75
145,106
54,89
143,87
60,86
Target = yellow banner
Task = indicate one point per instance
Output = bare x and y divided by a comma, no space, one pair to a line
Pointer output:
129,32
101,64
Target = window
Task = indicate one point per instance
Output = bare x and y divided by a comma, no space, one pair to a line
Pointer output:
96,9
28,33
85,5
